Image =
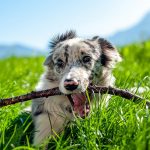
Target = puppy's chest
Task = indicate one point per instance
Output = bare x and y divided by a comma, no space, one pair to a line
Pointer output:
58,105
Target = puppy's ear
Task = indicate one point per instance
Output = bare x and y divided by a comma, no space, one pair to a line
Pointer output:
50,74
109,54
48,61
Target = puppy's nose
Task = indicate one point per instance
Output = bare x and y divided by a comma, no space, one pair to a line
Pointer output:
70,84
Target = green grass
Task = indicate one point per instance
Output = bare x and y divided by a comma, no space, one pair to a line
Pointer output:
122,125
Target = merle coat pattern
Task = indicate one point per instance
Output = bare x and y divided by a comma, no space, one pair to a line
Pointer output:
72,65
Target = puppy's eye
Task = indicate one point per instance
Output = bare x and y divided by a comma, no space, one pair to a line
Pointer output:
86,59
60,63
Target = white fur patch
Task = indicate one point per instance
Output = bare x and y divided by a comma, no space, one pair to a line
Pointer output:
73,41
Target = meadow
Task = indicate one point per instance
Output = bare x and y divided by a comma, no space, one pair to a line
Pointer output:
122,125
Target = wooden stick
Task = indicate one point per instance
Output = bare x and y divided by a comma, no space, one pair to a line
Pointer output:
55,91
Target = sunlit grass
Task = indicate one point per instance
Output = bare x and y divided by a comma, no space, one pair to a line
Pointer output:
122,125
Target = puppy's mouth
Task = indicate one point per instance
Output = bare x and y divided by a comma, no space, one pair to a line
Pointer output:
80,104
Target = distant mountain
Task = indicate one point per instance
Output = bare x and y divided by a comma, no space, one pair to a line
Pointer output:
137,33
18,50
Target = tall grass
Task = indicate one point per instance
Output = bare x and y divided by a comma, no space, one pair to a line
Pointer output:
122,125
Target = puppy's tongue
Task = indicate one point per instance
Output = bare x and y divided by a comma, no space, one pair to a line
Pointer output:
80,104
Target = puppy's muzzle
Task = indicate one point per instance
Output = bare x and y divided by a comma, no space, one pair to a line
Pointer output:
71,84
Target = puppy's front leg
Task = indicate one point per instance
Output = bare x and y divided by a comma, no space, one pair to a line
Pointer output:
47,124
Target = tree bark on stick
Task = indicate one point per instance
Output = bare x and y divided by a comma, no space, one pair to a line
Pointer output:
55,91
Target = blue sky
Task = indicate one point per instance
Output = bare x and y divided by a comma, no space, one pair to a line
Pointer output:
34,22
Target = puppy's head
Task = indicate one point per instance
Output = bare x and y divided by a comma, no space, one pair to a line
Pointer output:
74,62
